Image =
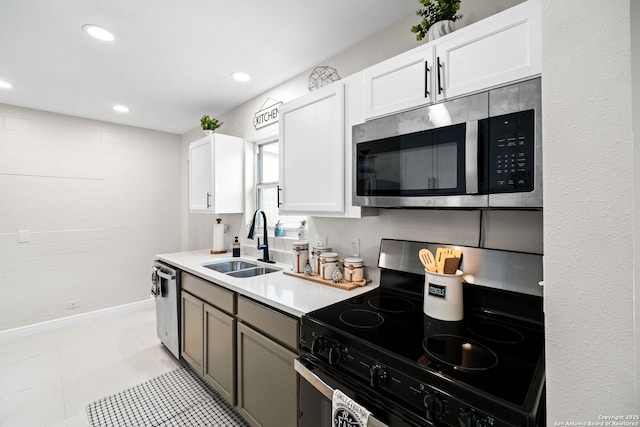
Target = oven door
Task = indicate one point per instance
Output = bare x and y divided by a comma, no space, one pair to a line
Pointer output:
317,405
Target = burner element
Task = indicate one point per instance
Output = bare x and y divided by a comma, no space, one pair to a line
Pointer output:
459,352
391,304
495,332
361,318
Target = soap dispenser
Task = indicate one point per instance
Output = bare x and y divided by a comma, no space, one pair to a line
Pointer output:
236,247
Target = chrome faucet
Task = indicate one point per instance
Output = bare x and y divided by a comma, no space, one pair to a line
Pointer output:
265,245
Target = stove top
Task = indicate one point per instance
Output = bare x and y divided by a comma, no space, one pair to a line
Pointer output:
492,353
484,370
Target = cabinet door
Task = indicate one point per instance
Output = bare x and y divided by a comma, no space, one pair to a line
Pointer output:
216,174
201,175
267,381
228,174
192,331
500,49
400,83
219,352
312,152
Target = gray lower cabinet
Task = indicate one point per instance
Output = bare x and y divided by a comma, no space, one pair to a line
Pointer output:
267,382
209,333
192,331
244,349
219,359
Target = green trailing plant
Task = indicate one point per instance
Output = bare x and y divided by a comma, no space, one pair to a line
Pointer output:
208,123
434,11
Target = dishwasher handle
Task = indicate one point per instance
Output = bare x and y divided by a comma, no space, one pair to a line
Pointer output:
323,388
160,274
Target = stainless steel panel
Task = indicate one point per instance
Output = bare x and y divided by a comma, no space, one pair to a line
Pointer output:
511,271
167,308
510,99
471,158
461,110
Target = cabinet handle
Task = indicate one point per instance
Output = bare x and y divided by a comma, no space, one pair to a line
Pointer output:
208,200
278,193
426,79
439,81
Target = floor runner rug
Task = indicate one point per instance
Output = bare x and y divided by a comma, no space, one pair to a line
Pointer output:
177,398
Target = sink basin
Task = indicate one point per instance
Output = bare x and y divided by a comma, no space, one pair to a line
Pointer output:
240,268
252,272
229,266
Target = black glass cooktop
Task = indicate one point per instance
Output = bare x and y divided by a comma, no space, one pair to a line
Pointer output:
493,353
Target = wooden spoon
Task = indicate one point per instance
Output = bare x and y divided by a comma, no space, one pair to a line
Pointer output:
427,259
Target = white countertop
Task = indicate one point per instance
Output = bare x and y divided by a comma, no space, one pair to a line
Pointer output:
289,294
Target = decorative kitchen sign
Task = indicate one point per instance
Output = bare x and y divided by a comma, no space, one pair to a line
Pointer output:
269,114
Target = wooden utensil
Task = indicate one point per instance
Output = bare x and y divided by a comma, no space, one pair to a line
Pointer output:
441,255
451,265
427,259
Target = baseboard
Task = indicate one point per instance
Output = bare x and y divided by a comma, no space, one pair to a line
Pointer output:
75,319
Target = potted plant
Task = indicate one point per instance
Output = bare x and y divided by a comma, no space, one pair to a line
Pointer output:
302,230
277,230
437,16
209,125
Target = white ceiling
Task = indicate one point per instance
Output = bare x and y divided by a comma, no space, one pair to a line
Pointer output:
171,60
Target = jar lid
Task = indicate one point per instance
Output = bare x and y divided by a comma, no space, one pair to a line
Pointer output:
329,255
322,248
353,260
301,244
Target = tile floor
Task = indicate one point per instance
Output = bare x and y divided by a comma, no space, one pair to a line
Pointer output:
47,377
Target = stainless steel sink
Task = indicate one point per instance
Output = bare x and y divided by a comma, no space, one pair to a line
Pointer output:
229,266
252,272
240,268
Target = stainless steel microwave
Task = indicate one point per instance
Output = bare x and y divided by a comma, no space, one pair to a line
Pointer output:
482,150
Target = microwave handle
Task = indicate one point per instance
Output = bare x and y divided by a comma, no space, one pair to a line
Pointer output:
471,157
323,388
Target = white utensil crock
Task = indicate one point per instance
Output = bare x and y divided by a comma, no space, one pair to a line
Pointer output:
443,296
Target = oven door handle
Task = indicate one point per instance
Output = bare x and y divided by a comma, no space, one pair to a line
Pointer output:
327,391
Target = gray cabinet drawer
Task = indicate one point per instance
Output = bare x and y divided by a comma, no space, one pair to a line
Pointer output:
209,292
271,322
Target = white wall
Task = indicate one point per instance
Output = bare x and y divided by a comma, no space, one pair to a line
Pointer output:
589,215
437,226
99,201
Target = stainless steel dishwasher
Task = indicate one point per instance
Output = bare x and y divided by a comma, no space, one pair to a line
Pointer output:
165,287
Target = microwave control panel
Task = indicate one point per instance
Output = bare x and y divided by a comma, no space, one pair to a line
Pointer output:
511,148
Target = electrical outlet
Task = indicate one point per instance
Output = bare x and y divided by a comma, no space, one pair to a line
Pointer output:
73,304
355,247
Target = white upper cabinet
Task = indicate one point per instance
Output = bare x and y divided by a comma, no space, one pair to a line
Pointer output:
500,49
400,83
216,174
312,172
503,48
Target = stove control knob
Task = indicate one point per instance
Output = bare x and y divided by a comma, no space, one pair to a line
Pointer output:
335,355
435,406
317,346
469,419
377,375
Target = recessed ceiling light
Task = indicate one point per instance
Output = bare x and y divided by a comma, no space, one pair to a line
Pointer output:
5,85
240,76
98,32
121,108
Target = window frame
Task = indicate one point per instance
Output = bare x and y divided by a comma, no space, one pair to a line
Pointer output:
260,186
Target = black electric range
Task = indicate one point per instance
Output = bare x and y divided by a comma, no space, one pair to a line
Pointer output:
410,369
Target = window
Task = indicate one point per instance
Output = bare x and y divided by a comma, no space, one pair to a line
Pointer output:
267,188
